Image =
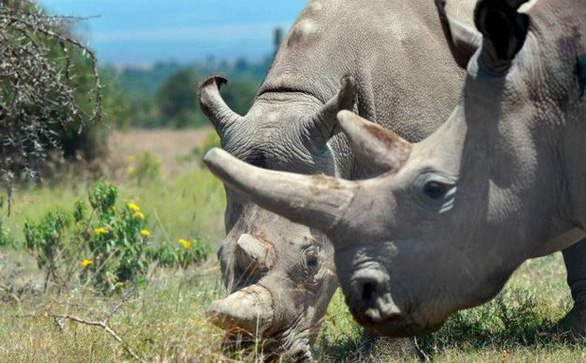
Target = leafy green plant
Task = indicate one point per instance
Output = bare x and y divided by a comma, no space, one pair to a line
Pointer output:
183,254
117,240
47,242
5,237
105,244
146,168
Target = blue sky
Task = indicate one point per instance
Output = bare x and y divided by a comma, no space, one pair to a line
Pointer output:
141,32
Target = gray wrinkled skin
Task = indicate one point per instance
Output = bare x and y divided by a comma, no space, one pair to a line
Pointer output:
451,217
395,47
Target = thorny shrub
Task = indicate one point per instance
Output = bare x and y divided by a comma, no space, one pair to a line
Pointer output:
49,87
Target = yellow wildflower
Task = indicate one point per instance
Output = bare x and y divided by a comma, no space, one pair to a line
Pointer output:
185,243
139,215
100,230
134,207
86,262
145,233
130,170
119,285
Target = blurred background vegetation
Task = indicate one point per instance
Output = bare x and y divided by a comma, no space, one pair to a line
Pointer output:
164,95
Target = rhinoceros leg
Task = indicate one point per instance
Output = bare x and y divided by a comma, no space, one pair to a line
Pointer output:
575,259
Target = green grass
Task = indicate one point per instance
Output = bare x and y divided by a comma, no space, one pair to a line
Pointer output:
186,206
166,321
512,327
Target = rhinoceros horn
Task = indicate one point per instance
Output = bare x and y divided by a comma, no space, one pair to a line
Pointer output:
255,254
249,310
321,125
317,201
374,146
213,105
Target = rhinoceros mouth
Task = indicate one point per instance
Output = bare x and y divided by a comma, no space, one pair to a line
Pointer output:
293,341
250,310
411,323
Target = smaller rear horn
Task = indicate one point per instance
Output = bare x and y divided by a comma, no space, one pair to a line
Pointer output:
254,254
213,105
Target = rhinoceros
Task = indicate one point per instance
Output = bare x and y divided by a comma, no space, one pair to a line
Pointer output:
281,275
448,219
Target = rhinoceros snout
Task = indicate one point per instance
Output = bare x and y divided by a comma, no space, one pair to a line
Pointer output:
369,297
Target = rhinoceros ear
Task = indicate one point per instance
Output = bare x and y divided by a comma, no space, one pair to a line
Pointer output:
322,124
462,40
379,149
213,106
503,27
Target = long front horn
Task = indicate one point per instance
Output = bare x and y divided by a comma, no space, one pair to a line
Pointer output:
250,310
321,125
377,148
317,201
213,105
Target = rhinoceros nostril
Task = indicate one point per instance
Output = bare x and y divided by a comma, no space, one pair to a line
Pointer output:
368,292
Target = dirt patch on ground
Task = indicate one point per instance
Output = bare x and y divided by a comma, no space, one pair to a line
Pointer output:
170,147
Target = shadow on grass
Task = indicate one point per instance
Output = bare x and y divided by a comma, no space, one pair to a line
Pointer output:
516,320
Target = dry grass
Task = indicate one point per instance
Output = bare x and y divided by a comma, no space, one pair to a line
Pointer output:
164,322
169,146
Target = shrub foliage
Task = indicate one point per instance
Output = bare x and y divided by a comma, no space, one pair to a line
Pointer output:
49,86
106,244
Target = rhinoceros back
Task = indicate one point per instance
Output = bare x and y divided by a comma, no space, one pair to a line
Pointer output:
395,49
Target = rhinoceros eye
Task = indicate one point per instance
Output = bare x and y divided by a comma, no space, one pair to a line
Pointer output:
435,189
312,258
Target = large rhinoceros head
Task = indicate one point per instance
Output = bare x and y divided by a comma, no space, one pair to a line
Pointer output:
280,275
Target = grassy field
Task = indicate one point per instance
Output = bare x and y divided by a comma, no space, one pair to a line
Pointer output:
165,321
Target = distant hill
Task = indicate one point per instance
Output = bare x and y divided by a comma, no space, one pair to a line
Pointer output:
163,95
141,84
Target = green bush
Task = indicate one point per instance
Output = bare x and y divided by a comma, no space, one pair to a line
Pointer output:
47,242
175,97
117,240
105,244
